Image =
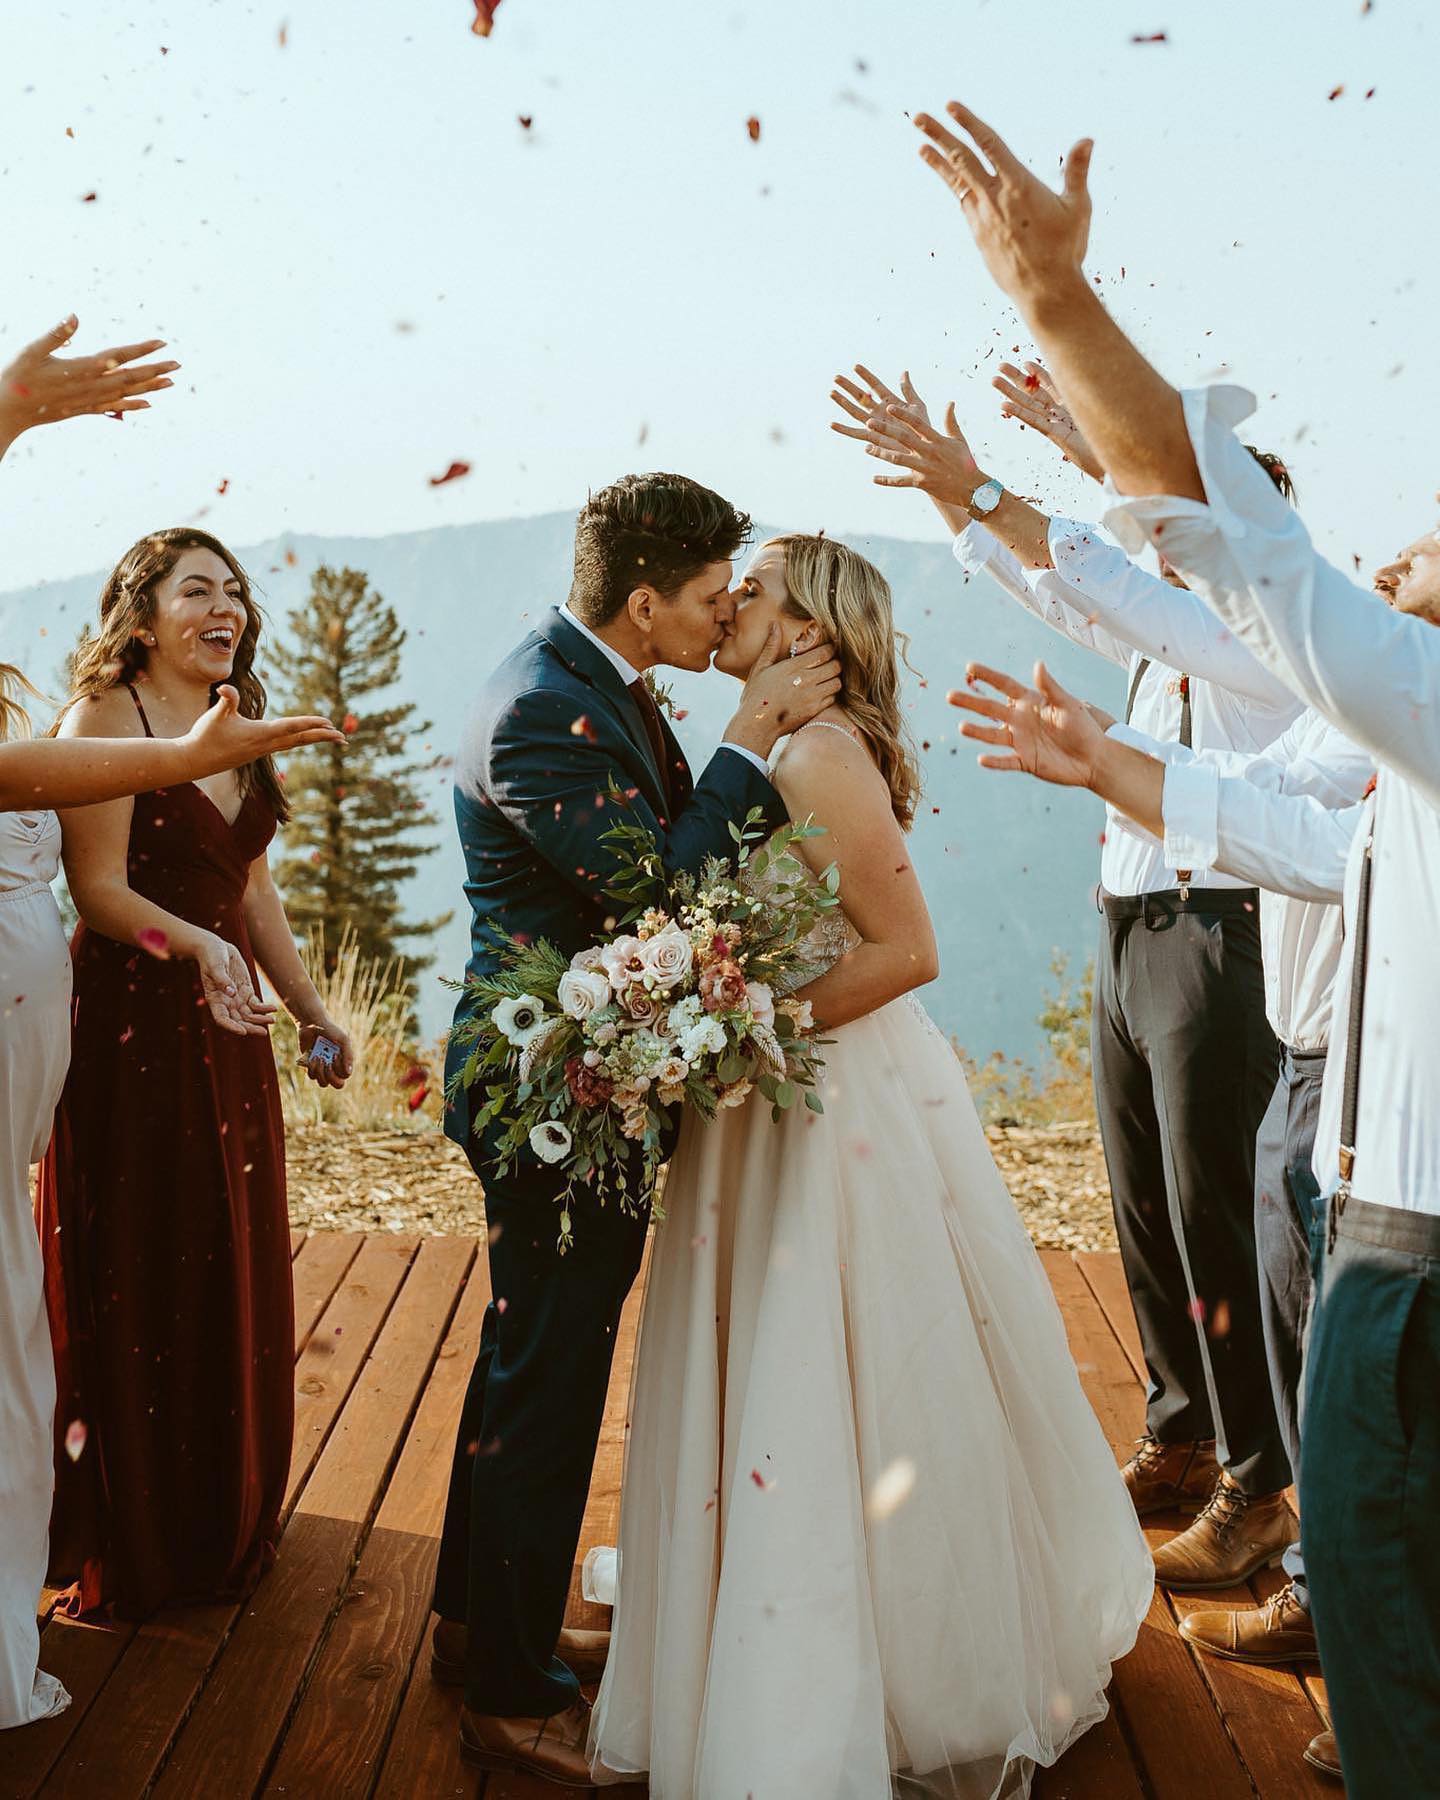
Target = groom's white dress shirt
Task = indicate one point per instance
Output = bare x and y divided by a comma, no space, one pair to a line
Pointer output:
1097,597
631,675
1228,810
1375,674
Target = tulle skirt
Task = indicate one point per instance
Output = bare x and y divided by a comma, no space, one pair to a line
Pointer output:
872,1539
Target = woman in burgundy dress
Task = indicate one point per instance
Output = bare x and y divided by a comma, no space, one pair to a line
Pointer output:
162,1197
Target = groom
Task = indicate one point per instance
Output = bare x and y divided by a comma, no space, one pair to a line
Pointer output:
563,720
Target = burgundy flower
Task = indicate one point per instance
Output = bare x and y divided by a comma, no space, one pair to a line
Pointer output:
590,1087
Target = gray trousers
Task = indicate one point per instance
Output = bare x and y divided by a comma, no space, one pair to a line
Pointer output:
1184,1066
1287,1207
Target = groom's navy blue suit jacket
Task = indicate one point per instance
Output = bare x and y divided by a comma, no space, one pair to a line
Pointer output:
551,727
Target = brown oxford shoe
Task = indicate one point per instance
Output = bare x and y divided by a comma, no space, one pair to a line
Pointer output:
1280,1631
1235,1535
1161,1477
583,1653
553,1748
1323,1753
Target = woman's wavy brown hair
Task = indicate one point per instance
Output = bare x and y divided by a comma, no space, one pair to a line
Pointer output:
14,686
849,599
114,654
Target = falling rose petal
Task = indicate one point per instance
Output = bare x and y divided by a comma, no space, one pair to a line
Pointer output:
417,1099
70,131
484,21
453,473
349,723
291,559
1196,1309
85,199
75,1435
283,34
892,1488
1149,37
1336,91
760,1481
526,120
752,125
127,1034
1220,1320
155,941
224,487
582,727
1032,382
502,1304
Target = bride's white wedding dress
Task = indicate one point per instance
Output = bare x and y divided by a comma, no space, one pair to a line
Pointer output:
872,1540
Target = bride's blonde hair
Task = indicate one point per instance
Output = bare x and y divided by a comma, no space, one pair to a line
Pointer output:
14,720
849,599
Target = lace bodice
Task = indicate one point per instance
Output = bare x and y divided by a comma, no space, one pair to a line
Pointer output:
832,935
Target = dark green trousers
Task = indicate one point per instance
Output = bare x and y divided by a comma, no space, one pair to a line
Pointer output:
1370,1496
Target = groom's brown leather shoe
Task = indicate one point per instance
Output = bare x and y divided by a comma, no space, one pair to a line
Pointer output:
553,1748
582,1652
1161,1476
1235,1535
1280,1631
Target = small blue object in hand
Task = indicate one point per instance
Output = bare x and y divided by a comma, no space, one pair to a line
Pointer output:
324,1054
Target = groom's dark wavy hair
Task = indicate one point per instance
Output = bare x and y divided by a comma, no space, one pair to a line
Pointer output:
657,531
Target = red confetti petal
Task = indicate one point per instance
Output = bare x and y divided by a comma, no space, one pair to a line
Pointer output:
349,723
759,1479
75,1435
87,198
453,473
1336,92
417,1099
583,728
224,487
1149,37
484,21
153,939
752,125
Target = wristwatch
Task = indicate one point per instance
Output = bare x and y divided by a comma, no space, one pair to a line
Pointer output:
986,498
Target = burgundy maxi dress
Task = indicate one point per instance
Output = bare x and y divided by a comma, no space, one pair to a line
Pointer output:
166,1240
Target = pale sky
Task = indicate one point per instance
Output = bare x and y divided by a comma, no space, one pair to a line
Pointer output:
370,268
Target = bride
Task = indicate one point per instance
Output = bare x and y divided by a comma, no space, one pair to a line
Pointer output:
872,1540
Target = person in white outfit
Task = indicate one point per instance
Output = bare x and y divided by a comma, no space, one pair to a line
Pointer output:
872,1539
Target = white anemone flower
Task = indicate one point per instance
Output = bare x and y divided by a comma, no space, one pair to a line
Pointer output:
550,1141
519,1018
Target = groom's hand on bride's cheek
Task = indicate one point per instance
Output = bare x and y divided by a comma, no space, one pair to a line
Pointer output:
783,693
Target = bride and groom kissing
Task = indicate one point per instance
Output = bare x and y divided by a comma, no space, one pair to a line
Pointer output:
872,1539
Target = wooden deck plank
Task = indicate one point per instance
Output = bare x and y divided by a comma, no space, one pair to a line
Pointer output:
129,1729
337,1738
297,1238
231,1735
1182,1743
602,1507
83,1657
320,1267
1099,1767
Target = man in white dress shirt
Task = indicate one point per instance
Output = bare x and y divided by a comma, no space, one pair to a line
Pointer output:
1184,1060
1370,1470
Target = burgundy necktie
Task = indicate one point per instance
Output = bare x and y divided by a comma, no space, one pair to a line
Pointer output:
650,713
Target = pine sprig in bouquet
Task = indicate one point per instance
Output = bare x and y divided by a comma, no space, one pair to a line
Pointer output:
581,1059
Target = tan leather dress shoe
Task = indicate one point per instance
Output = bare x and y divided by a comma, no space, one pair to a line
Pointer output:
553,1748
1235,1534
1160,1477
1280,1631
583,1653
1323,1753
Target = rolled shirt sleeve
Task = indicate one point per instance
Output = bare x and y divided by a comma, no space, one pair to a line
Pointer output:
1372,672
1039,591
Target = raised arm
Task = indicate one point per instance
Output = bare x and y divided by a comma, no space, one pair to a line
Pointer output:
1010,545
1031,396
1034,241
40,387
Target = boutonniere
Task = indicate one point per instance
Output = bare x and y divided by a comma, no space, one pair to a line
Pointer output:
661,695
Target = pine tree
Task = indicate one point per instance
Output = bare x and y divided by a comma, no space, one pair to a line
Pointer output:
351,840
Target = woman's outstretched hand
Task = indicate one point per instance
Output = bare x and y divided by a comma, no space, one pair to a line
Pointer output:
40,387
223,739
229,991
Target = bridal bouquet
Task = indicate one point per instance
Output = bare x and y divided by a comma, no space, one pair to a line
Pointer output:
580,1058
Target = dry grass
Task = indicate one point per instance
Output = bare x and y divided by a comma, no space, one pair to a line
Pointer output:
367,999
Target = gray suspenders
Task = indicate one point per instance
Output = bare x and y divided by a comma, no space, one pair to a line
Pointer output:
1350,1097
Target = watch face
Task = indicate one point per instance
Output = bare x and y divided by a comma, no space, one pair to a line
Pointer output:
986,497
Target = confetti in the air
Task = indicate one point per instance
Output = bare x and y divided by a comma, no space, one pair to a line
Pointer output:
154,941
752,125
893,1487
349,724
1149,37
453,473
484,21
75,1435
